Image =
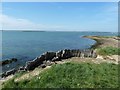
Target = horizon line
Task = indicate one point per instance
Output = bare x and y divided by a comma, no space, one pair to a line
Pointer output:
58,31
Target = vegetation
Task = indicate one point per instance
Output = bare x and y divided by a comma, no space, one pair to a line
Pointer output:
109,51
72,75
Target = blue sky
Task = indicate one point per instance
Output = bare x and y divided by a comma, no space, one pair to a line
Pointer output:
66,16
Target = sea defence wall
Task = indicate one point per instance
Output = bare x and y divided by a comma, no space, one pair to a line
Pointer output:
48,58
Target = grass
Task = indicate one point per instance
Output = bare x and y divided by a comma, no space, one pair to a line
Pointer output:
72,75
109,51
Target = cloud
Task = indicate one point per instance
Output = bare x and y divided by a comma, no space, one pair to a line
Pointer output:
12,23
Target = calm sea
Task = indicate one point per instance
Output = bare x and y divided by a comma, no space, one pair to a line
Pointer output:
27,45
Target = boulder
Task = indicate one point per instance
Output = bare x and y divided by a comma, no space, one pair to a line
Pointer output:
49,55
4,62
10,72
3,75
48,63
66,54
75,53
94,54
59,54
56,59
87,53
30,65
21,69
42,65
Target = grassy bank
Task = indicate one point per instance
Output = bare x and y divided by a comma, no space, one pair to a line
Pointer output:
72,75
109,51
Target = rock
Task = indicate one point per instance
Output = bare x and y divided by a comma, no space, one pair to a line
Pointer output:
94,54
49,55
10,72
75,53
57,56
44,62
8,61
43,65
35,63
87,53
40,60
66,54
3,75
82,55
48,63
56,59
21,69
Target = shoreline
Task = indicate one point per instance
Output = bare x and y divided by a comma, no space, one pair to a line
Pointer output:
104,41
100,42
48,58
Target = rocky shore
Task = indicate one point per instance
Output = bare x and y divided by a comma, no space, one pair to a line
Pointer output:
8,61
48,58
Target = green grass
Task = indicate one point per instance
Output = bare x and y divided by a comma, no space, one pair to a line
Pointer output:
72,75
109,51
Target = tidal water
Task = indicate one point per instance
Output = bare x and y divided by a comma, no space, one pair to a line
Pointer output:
26,46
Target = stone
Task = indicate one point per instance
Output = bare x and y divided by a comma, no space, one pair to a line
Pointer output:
75,53
30,65
3,75
48,63
21,69
43,65
4,62
56,59
66,54
10,72
49,55
94,54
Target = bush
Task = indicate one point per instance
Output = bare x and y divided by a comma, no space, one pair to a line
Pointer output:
72,75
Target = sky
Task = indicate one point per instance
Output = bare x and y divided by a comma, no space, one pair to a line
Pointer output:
60,16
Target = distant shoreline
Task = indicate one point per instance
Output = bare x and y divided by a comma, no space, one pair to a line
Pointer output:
55,31
22,31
